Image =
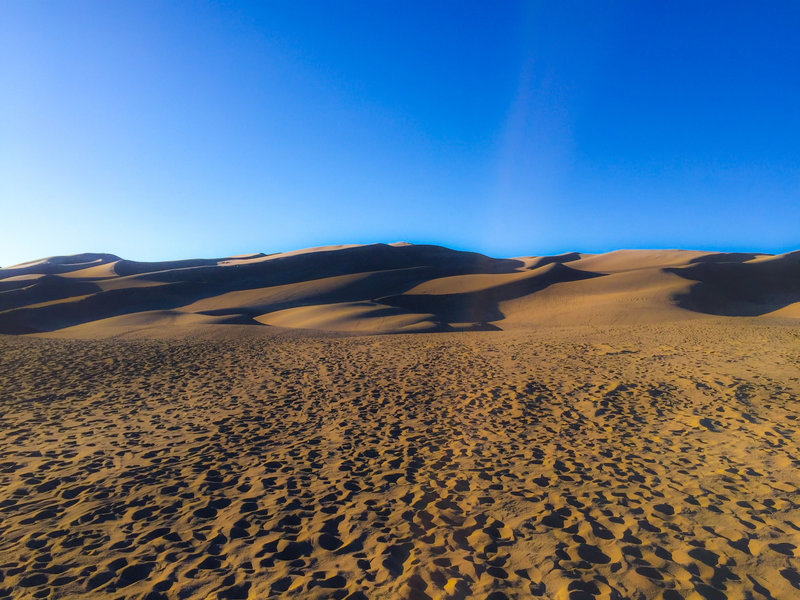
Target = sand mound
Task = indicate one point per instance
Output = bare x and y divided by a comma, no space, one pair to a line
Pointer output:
742,287
369,317
55,265
385,288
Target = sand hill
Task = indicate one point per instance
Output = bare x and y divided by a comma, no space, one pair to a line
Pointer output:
391,288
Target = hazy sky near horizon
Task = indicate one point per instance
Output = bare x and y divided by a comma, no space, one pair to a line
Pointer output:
161,130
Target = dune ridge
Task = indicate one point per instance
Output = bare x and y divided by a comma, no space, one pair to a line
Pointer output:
427,288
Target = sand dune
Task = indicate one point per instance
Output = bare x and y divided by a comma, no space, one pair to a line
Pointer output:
428,287
59,264
369,317
742,287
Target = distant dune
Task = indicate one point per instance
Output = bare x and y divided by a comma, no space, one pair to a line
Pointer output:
390,288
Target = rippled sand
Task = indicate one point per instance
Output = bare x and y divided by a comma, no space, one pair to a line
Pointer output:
629,462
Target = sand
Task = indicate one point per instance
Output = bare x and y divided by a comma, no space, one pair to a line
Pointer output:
605,438
636,461
390,288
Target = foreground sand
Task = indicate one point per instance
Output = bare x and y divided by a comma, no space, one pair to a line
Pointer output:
643,461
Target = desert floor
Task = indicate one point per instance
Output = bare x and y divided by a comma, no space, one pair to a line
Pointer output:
641,461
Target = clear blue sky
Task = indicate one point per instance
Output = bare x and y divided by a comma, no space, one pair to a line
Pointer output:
159,130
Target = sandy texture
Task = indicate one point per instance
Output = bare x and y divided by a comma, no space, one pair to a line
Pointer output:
634,461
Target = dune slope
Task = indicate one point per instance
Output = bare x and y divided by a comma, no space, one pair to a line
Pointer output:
425,288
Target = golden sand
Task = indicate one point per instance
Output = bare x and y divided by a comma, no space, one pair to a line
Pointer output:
655,460
390,288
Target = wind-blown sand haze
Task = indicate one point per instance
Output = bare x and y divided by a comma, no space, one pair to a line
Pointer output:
401,421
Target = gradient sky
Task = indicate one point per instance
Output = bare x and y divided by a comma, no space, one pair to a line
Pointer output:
161,130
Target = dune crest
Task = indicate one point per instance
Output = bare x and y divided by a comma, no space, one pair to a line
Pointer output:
391,288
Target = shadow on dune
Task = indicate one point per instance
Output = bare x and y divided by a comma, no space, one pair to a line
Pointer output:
318,265
45,289
371,287
726,257
558,258
483,306
738,288
56,265
98,306
125,268
185,282
736,284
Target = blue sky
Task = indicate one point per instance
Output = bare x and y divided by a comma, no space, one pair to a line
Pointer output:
159,130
